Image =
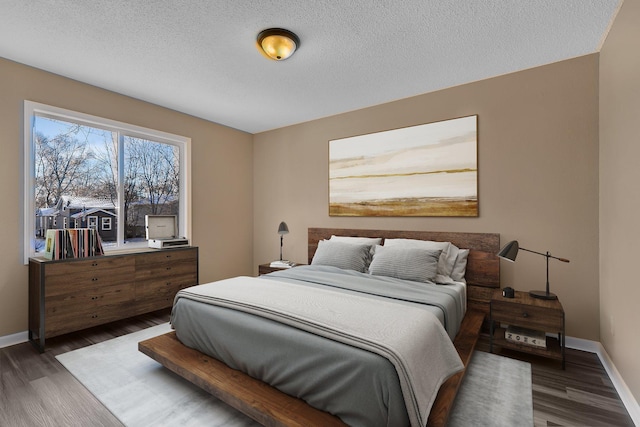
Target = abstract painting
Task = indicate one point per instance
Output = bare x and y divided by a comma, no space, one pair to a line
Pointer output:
424,170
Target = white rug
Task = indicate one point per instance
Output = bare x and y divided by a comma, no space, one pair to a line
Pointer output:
140,392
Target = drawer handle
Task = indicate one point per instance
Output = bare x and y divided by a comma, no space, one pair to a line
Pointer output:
95,279
525,314
94,298
168,283
93,264
168,256
168,268
94,316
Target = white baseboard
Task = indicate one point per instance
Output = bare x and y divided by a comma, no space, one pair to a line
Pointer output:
14,339
625,394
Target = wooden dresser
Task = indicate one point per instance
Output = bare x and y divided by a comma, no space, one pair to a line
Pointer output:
73,294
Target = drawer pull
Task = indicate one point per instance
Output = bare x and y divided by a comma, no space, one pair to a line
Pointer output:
168,268
168,256
525,314
94,316
168,283
94,298
93,264
95,279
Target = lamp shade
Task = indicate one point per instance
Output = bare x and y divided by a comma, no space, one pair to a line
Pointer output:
282,228
277,43
509,251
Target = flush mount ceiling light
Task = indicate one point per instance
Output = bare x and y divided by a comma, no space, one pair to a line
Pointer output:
277,44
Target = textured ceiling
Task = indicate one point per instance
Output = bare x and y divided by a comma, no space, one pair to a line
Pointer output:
199,56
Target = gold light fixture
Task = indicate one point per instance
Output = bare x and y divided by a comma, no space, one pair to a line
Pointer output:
277,44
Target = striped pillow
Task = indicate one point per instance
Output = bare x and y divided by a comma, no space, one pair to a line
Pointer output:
447,257
348,256
416,264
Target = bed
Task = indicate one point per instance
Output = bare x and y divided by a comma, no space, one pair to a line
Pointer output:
351,370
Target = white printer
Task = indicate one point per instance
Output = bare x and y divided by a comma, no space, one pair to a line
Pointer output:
162,232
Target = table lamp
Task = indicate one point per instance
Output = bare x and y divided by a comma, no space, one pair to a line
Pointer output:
282,230
509,252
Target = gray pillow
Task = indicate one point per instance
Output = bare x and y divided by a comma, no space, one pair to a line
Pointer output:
348,256
373,241
416,264
447,256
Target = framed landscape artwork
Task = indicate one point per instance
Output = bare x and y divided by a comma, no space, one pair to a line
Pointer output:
424,170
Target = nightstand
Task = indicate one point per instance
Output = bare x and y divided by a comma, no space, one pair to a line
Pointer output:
266,268
528,312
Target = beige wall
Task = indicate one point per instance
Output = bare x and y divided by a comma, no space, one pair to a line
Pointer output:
538,176
619,200
222,162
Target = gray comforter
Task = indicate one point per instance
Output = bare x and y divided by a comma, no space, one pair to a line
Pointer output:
372,358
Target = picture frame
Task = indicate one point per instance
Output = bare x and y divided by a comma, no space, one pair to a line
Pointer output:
423,170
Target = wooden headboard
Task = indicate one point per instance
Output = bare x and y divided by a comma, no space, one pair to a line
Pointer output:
483,266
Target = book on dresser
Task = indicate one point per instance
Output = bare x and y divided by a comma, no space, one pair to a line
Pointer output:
526,336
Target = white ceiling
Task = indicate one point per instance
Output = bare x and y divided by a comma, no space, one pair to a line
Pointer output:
199,56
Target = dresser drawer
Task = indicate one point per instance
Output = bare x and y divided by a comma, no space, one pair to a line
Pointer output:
528,316
159,298
149,288
153,259
161,265
69,277
87,307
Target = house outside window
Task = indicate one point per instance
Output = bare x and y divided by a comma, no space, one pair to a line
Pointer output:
93,171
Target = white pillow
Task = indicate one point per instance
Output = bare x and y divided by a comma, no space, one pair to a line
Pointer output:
416,264
372,241
460,267
447,256
347,256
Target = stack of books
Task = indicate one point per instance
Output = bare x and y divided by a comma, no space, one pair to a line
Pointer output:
526,336
282,264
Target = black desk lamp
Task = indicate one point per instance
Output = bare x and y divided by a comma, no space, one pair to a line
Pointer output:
282,230
509,252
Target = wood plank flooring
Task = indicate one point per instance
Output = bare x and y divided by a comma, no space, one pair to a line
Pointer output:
35,390
580,395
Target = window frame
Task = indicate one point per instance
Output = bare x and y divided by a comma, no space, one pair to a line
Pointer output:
31,109
105,223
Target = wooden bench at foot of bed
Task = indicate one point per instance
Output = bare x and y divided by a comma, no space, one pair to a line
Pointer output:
271,407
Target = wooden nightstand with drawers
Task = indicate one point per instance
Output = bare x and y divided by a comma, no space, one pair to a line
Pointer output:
525,311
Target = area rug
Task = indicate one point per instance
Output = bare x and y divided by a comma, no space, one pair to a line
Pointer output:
140,392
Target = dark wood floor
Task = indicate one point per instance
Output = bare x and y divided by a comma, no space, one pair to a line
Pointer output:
580,395
35,390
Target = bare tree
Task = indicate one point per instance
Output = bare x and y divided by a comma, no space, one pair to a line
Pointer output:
61,167
155,170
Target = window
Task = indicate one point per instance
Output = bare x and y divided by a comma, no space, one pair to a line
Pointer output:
93,222
80,168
